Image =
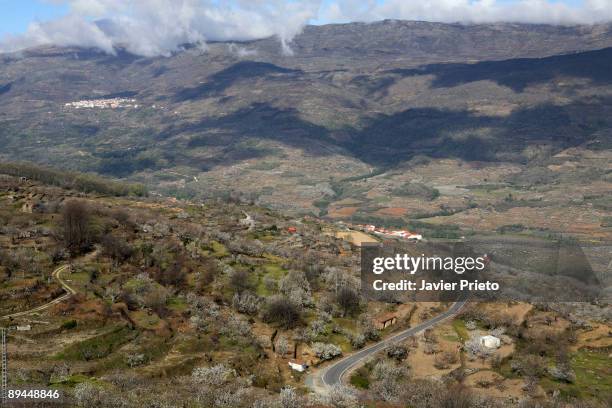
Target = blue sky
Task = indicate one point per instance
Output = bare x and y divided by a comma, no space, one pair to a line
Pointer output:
15,15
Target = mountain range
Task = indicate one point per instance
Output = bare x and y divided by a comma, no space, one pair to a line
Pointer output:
354,102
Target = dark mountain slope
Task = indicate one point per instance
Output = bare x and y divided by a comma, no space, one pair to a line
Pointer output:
522,72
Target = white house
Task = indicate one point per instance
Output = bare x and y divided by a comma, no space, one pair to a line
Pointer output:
298,365
491,342
407,235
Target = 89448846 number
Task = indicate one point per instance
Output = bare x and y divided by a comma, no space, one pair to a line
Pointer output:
33,394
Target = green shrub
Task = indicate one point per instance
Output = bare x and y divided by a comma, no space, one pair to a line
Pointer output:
69,324
417,190
361,378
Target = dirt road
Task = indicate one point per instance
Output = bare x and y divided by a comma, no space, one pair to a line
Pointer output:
67,288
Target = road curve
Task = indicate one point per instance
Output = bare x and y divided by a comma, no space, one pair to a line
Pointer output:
334,374
69,292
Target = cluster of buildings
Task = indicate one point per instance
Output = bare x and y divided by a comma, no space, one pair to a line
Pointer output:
111,103
402,234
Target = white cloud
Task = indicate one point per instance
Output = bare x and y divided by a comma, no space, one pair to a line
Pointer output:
69,31
159,27
471,11
241,52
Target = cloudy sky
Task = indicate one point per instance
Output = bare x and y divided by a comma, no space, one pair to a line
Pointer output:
157,27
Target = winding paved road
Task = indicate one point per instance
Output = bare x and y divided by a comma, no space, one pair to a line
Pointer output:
69,292
334,374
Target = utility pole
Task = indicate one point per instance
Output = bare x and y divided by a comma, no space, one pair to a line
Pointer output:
4,395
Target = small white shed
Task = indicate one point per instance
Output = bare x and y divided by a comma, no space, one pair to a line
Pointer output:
491,342
298,365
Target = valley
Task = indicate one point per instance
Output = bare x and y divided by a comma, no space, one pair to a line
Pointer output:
187,229
474,138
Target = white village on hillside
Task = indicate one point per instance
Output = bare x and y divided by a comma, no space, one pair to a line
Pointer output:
110,103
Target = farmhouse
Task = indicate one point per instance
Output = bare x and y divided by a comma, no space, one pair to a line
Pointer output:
298,365
402,234
490,342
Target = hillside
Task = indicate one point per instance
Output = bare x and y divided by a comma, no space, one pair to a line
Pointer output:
163,287
216,297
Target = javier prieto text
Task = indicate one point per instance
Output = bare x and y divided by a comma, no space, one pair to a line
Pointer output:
405,263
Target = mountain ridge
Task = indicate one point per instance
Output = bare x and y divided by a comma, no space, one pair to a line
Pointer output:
324,115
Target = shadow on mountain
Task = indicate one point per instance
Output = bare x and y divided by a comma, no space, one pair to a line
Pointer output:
223,79
236,153
537,270
122,163
121,58
5,88
518,74
258,121
394,138
159,71
391,139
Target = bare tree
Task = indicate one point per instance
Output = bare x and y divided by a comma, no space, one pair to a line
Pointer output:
270,283
116,248
282,346
9,261
430,336
348,300
208,273
445,359
175,274
76,227
239,281
156,300
456,397
283,312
